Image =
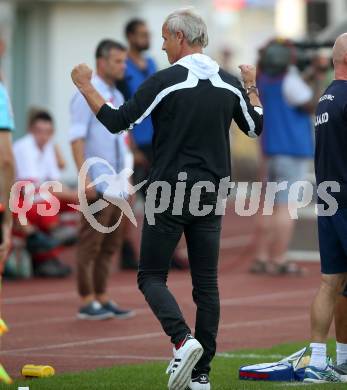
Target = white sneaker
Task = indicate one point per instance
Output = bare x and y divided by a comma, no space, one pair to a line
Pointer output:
325,375
342,370
201,382
181,366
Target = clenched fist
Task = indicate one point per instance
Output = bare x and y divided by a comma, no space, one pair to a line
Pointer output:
81,75
248,74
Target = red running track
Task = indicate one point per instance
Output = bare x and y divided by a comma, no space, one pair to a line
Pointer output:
256,311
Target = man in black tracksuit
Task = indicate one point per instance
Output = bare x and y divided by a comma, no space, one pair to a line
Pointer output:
192,104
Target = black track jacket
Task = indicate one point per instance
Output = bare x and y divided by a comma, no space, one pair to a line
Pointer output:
192,104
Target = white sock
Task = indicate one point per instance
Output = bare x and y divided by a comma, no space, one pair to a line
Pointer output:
341,353
318,355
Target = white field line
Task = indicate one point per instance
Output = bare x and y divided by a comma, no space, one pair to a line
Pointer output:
57,320
246,239
267,297
270,321
226,243
144,311
306,256
39,298
81,343
242,324
52,297
149,358
84,356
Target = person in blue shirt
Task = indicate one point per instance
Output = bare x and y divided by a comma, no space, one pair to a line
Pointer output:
139,67
287,147
6,167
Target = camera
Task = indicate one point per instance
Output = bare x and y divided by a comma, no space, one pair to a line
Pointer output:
278,54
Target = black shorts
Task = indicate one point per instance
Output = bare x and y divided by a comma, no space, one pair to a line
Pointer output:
332,233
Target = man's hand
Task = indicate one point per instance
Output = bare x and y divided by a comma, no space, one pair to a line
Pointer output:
81,76
248,74
249,77
6,243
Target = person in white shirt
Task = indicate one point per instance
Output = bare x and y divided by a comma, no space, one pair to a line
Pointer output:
89,138
36,161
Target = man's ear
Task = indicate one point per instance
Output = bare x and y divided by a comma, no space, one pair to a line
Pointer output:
180,36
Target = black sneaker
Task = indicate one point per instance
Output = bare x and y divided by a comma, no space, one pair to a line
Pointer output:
117,311
94,311
201,382
51,268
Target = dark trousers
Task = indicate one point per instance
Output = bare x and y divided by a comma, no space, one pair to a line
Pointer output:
158,244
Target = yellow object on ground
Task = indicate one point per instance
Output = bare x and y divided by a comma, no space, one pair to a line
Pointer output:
4,377
3,327
30,370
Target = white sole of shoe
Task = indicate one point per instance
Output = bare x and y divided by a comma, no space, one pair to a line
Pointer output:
198,387
87,317
201,387
180,379
309,380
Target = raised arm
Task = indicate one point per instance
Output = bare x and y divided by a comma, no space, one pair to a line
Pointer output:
130,113
249,113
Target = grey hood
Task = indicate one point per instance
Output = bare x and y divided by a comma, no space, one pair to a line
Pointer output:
201,65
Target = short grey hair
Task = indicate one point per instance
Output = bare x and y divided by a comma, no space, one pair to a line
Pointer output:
190,24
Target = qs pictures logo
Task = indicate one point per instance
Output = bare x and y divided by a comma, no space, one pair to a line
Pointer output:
114,187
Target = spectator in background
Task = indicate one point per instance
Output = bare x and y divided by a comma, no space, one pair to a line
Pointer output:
89,138
139,68
6,167
319,74
226,58
287,146
36,161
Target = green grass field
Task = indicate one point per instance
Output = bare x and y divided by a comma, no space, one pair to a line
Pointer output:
151,376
